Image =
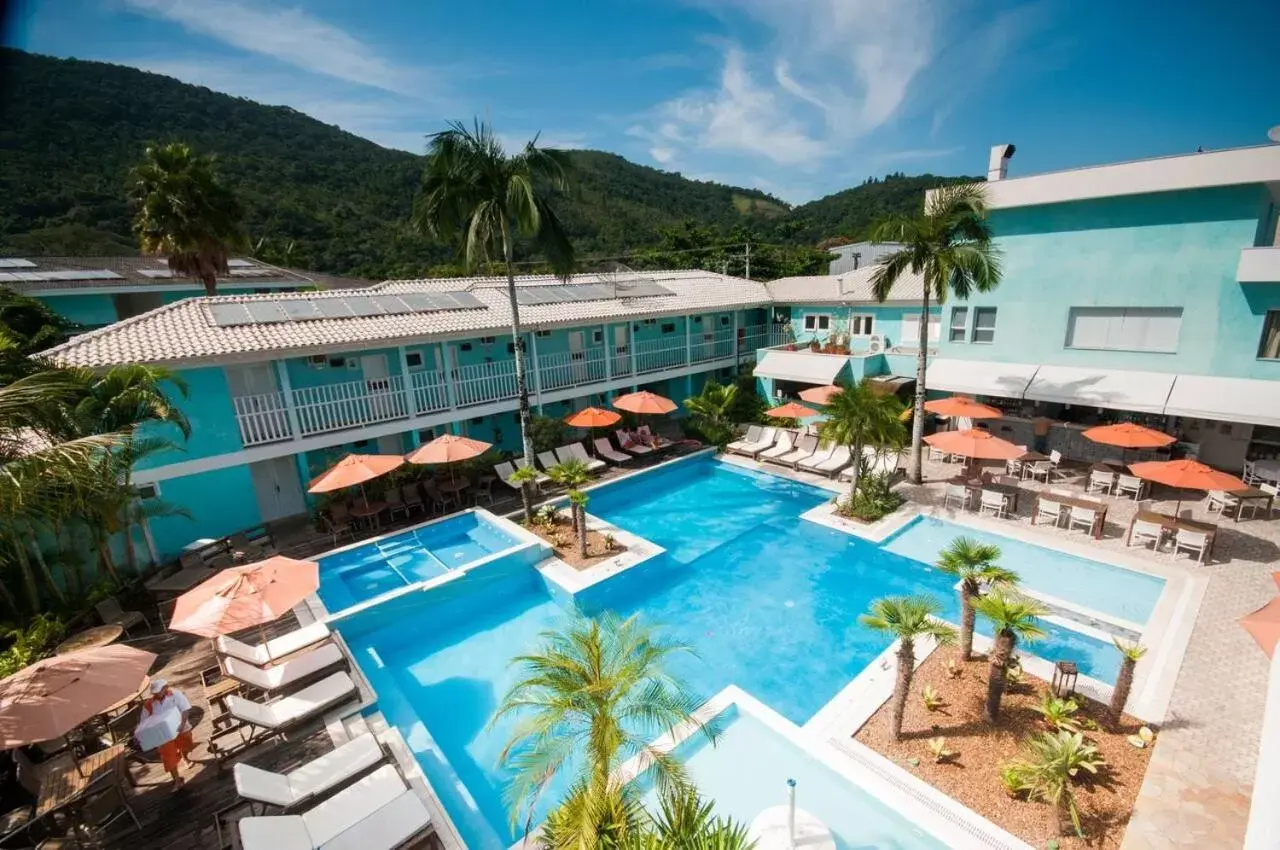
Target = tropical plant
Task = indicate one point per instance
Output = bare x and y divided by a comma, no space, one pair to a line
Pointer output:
573,474
713,403
875,498
949,246
1059,713
473,188
1013,618
1053,760
184,213
938,747
27,327
974,563
747,406
685,821
860,416
906,618
31,643
547,432
931,699
597,690
526,478
1130,653
1013,776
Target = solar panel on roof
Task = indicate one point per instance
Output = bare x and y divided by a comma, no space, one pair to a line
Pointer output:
300,309
16,263
333,308
77,274
265,312
362,305
230,315
566,293
390,304
641,289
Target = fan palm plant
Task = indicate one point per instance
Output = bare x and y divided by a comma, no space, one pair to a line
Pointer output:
710,408
573,474
975,565
184,213
526,478
906,618
472,187
685,821
949,245
1130,654
1054,759
1013,617
859,416
599,691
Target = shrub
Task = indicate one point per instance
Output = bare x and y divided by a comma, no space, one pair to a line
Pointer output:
931,698
30,644
748,406
547,433
1059,713
874,499
938,746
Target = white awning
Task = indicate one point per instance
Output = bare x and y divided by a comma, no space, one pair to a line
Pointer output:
978,377
801,366
1114,388
1231,399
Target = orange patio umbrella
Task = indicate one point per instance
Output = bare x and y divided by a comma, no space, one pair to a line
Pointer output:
51,697
353,470
974,444
791,410
1186,474
820,395
962,405
592,417
448,448
1264,626
1129,435
644,402
243,597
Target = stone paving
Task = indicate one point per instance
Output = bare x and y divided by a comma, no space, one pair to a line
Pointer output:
1198,785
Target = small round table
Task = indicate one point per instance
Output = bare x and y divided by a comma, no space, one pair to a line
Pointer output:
90,639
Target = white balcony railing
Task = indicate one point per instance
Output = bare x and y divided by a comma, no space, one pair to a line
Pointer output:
267,417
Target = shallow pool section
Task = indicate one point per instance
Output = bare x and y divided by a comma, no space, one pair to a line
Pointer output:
367,570
747,770
1127,594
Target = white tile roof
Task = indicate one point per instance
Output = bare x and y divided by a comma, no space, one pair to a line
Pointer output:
849,288
134,272
184,332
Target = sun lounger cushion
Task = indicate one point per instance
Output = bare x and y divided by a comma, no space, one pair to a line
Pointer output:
786,444
822,454
631,445
307,702
390,826
577,451
607,451
838,460
263,654
749,439
287,672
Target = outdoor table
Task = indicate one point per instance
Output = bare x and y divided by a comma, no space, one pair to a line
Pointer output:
1031,457
1252,496
63,785
1100,519
976,485
1173,523
90,639
368,511
180,582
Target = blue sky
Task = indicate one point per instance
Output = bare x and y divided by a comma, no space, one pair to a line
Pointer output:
800,98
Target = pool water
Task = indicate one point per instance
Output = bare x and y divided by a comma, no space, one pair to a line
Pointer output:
362,572
767,602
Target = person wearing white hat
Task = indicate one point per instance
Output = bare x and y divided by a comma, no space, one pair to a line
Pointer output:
168,709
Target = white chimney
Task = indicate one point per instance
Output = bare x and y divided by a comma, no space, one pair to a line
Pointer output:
998,166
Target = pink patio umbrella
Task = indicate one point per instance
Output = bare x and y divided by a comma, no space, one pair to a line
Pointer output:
243,597
448,449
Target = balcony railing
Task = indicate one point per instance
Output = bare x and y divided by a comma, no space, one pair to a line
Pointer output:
271,417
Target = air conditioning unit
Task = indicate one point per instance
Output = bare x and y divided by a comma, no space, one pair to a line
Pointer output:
875,344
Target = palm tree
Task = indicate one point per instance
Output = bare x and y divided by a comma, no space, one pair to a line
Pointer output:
1054,760
949,245
1013,618
184,213
573,474
711,406
859,416
526,477
906,618
471,186
975,565
685,821
597,689
1130,653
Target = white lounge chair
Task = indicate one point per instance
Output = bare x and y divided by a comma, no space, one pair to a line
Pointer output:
786,445
608,452
840,458
994,502
274,649
1144,532
1191,541
752,436
575,451
1100,482
256,722
298,668
628,443
316,777
522,462
378,812
1049,510
768,437
824,452
805,447
956,493
1082,517
1039,469
547,460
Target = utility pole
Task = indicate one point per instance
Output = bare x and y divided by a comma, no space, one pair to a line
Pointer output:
748,262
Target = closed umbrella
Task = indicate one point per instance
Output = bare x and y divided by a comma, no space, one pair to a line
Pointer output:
243,597
354,470
1186,474
1264,626
51,697
450,449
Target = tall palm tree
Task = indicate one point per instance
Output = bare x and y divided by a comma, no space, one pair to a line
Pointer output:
184,213
1013,618
906,618
859,416
1130,654
472,187
949,245
573,474
975,565
598,690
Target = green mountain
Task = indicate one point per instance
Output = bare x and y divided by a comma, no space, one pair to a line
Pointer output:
321,198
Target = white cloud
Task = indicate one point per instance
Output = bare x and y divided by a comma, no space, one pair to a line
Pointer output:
289,35
662,155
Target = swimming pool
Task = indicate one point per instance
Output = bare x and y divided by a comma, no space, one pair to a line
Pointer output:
769,602
361,572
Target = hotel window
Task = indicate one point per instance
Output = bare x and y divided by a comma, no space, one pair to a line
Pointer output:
669,328
984,324
542,334
817,322
1269,347
959,322
413,359
860,324
1153,329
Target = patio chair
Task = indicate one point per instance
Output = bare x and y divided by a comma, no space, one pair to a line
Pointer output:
522,462
1274,491
956,493
313,779
1055,458
1039,469
994,502
1196,542
299,668
1130,485
440,500
484,490
395,503
504,471
1082,517
257,722
102,806
805,448
840,458
1221,500
376,812
785,445
1048,509
548,460
752,436
255,549
412,499
1248,475
113,615
938,455
606,450
575,451
824,452
629,443
1144,532
1014,466
1100,482
273,650
768,436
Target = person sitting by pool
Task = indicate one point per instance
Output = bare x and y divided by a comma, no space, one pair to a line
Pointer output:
165,716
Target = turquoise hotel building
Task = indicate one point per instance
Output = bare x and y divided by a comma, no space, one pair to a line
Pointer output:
1145,290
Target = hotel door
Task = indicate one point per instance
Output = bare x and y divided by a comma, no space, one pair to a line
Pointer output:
277,488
